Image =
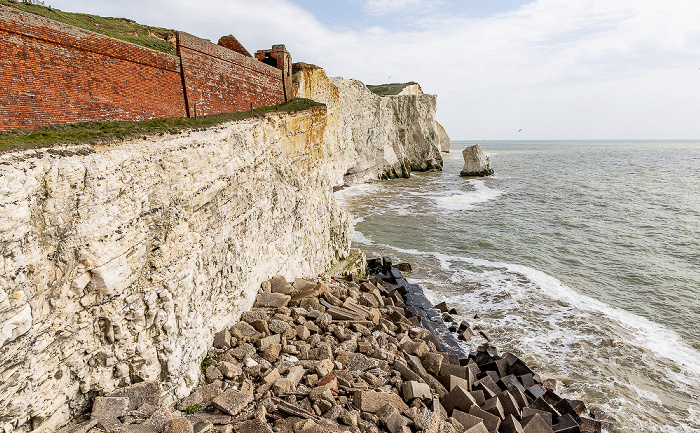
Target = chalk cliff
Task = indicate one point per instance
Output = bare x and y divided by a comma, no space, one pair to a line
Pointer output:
444,139
119,263
372,136
412,89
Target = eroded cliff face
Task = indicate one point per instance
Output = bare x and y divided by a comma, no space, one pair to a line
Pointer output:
372,136
119,264
444,139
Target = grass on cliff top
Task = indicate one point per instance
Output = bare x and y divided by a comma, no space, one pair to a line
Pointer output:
389,89
108,132
155,38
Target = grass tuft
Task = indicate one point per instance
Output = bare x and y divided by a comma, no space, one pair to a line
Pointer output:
389,89
155,38
192,409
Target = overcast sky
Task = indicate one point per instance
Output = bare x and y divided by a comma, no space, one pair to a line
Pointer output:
557,69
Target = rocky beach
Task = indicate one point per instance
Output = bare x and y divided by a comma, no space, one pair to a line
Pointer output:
349,355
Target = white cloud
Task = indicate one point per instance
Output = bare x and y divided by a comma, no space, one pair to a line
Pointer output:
383,7
576,69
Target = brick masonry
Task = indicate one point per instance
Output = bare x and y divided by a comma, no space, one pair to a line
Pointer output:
219,80
56,73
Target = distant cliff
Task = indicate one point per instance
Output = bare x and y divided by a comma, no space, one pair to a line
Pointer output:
372,136
119,262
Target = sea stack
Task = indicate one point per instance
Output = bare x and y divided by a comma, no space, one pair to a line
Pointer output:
443,138
476,163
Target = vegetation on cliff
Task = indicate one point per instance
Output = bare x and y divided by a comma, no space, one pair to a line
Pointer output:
389,89
155,38
106,132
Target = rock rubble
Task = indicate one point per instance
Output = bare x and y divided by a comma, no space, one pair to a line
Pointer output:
339,355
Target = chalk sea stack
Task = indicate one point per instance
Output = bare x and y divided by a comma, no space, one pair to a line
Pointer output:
476,163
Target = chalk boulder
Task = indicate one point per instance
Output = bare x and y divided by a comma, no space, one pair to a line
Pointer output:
476,163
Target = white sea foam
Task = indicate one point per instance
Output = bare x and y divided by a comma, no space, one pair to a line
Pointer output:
466,200
643,333
359,238
354,190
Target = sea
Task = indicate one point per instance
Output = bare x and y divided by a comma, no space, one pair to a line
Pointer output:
580,257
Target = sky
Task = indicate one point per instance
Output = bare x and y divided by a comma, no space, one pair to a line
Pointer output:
502,69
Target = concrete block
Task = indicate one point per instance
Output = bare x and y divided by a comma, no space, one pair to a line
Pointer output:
467,420
540,404
451,381
510,406
458,398
535,392
529,412
536,424
372,401
493,406
520,398
566,424
222,339
178,425
591,426
391,418
232,401
511,380
454,370
479,397
252,426
109,407
268,341
511,425
272,300
413,390
139,393
487,385
491,421
527,380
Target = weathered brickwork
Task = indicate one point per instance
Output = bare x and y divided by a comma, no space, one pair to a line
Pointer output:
219,80
232,43
284,62
56,73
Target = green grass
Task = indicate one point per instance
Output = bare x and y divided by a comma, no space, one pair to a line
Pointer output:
106,132
155,38
389,89
192,409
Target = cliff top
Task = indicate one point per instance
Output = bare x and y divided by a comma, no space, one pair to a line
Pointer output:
389,89
301,66
115,131
155,38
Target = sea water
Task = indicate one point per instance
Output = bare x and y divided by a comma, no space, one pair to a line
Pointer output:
583,258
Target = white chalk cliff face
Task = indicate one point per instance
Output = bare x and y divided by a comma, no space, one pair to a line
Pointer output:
476,162
444,139
118,263
372,136
412,89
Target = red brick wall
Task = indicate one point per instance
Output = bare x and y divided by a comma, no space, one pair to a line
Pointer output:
232,43
284,63
55,73
219,80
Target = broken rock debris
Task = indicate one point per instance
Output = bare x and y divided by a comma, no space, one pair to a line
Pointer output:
347,356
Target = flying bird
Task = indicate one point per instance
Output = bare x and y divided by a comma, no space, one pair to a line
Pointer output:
520,129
